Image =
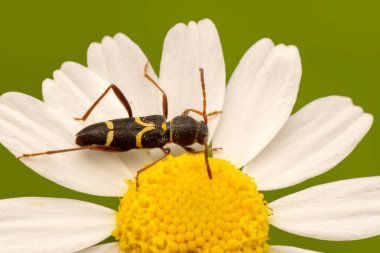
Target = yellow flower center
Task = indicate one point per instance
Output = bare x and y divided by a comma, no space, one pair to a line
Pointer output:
177,208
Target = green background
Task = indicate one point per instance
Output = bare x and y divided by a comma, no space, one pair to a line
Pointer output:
338,41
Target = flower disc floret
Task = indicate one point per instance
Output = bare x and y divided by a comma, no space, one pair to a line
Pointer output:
177,208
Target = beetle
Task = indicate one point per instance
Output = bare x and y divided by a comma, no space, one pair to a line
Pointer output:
154,131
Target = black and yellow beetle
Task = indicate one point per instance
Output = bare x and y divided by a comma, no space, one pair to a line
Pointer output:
153,131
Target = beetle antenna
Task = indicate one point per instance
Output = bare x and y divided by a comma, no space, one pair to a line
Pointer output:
206,160
205,120
204,94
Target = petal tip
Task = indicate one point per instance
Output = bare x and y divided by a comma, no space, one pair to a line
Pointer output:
107,39
266,41
206,22
289,53
293,47
69,64
192,24
339,98
120,35
368,119
178,27
4,98
123,39
94,46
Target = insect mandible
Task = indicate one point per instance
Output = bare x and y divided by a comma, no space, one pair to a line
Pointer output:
154,131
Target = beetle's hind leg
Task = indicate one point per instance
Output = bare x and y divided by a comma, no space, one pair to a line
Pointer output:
164,97
118,94
92,147
166,151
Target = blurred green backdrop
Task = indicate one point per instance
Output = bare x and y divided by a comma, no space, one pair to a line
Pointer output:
338,41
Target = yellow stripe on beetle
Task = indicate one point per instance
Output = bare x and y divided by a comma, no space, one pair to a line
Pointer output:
109,125
142,123
109,139
147,127
140,135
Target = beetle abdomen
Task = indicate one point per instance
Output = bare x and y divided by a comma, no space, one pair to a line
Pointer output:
118,133
95,134
127,133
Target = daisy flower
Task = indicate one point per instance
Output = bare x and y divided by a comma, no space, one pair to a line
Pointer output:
177,208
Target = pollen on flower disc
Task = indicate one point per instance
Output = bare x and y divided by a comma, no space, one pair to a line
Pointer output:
177,208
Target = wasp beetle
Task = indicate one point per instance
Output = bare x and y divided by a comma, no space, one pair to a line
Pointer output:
154,131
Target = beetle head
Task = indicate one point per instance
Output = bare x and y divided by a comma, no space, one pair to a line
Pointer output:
202,132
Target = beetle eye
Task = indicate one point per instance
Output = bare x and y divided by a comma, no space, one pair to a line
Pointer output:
202,132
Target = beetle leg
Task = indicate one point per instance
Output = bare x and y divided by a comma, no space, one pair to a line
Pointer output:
166,151
164,97
187,111
213,113
193,151
206,159
118,94
92,147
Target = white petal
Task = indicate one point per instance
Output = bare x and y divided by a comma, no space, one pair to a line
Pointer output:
339,211
52,225
119,60
112,247
75,88
313,140
288,249
30,126
186,49
259,99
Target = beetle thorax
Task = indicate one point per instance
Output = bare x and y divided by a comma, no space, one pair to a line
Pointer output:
185,130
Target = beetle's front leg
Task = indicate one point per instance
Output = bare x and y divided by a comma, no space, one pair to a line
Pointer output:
166,151
187,111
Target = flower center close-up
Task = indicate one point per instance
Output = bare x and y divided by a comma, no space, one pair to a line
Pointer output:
177,208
